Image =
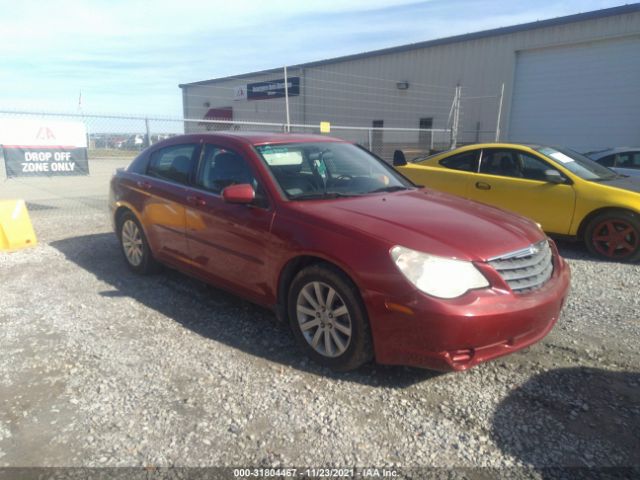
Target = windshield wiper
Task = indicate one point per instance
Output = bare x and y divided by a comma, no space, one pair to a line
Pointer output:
321,195
394,188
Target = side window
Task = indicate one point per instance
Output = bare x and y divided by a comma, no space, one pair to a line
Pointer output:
467,162
513,163
532,167
173,163
221,167
501,162
608,161
628,160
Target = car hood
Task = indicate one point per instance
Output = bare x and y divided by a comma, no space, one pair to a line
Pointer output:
631,184
428,221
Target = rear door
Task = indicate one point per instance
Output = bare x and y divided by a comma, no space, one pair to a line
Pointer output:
515,180
454,175
229,243
164,188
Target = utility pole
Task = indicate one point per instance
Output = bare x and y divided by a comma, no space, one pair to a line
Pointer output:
501,97
456,117
286,98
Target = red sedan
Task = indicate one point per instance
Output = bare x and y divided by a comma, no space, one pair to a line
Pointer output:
361,262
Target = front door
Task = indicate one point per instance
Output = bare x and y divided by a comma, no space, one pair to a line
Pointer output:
515,180
229,243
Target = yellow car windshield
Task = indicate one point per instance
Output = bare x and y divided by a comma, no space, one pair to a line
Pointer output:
577,163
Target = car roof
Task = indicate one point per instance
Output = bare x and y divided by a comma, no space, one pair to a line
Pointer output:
475,146
597,154
261,138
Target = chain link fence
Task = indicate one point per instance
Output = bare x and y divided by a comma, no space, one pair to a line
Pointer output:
479,117
373,109
113,141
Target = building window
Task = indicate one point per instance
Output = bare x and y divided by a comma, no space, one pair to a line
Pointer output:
376,137
425,139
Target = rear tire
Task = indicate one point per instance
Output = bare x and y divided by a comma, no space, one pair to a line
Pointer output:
614,236
328,318
134,245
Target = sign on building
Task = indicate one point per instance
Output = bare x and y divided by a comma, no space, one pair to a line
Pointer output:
43,148
273,89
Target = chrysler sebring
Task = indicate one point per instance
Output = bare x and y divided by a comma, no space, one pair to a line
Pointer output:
361,262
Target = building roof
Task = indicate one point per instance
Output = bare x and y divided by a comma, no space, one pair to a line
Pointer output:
579,17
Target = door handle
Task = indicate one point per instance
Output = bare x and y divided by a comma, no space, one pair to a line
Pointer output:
143,184
197,201
483,186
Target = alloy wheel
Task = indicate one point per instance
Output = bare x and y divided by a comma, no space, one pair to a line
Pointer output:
132,243
615,238
324,319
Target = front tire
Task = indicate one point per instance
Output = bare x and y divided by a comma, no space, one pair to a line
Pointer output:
328,318
134,245
614,236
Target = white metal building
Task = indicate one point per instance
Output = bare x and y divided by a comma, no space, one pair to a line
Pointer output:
572,81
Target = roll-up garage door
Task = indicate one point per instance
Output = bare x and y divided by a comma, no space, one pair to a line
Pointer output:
584,96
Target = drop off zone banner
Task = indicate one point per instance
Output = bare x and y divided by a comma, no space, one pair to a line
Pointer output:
43,148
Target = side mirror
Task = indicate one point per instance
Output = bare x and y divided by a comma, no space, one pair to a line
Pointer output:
553,176
242,194
399,159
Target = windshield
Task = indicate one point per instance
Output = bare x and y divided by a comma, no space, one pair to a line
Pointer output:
577,163
329,170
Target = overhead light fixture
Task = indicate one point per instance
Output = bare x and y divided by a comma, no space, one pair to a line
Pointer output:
404,85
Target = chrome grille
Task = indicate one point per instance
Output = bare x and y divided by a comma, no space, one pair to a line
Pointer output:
525,270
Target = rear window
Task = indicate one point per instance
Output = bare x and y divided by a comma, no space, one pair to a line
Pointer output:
172,163
467,162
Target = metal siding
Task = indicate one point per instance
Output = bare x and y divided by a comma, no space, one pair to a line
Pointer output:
585,96
480,65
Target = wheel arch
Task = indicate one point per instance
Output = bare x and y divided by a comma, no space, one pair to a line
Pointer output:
121,210
291,269
589,217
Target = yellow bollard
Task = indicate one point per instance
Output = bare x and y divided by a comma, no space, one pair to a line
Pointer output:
16,230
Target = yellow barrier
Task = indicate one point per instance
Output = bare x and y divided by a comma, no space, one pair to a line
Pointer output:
16,230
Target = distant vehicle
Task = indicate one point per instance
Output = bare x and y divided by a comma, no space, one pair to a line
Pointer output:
567,193
623,160
361,262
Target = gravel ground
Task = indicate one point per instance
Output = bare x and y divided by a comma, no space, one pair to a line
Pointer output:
99,367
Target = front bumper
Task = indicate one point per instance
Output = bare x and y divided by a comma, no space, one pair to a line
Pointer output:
457,334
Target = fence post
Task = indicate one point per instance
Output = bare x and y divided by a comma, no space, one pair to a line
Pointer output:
370,140
147,140
456,117
286,98
499,113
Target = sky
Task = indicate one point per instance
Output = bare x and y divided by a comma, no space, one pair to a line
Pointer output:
128,57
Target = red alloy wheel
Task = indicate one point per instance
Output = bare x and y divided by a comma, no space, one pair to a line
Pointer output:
615,238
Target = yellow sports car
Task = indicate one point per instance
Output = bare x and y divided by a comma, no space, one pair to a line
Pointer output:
568,194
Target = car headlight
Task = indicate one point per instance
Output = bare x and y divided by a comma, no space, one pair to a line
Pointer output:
437,276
